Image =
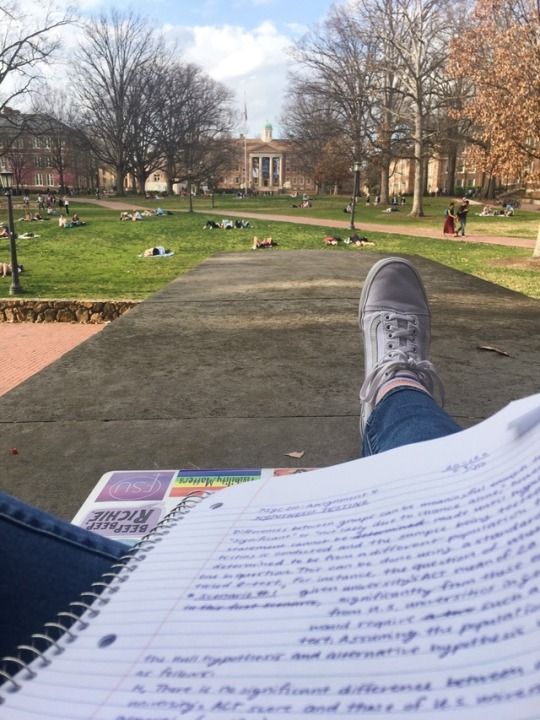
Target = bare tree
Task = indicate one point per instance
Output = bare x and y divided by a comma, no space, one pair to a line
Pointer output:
119,48
27,41
332,80
311,125
56,120
416,34
19,161
194,121
145,96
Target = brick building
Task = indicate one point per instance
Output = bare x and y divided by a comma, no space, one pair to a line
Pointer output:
42,154
265,165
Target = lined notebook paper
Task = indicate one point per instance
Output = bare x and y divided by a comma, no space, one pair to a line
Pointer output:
397,585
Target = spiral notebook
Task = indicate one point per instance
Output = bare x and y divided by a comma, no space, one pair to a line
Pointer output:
405,584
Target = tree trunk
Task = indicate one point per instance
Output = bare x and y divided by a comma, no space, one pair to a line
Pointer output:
120,175
141,182
536,251
451,174
425,164
385,181
170,176
488,187
417,209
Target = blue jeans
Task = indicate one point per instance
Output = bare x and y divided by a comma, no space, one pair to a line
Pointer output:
405,416
46,564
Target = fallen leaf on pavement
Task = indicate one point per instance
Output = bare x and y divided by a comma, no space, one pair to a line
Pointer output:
492,348
296,454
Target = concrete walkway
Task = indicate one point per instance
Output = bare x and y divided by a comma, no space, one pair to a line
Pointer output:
361,227
245,358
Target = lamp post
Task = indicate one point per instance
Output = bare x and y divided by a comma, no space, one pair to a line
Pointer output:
6,179
190,196
356,171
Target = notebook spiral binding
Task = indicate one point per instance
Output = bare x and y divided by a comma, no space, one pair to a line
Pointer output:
69,622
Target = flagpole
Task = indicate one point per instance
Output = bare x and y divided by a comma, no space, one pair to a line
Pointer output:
245,149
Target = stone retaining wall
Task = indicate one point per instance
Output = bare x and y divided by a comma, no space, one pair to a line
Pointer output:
79,311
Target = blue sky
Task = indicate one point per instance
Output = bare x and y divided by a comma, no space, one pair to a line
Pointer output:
242,43
247,13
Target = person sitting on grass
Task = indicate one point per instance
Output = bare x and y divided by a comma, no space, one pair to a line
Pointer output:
28,217
158,250
76,221
357,241
5,269
211,225
4,232
487,211
262,244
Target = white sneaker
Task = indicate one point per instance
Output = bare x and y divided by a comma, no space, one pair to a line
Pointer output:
395,322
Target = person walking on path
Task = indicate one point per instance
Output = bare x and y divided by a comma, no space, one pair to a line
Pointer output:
462,213
450,219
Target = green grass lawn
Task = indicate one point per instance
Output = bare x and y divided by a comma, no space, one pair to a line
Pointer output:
522,224
101,260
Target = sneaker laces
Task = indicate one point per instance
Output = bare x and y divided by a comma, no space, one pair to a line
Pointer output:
401,361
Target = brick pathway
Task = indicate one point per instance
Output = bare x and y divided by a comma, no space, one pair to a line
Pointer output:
26,348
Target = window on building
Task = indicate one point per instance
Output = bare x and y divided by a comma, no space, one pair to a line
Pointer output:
39,179
301,180
157,177
50,180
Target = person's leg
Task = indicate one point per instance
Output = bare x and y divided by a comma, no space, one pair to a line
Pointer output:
46,564
398,407
405,415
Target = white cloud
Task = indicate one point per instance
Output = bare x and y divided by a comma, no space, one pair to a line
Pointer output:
253,62
232,51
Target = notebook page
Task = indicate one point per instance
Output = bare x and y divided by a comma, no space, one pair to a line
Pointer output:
403,584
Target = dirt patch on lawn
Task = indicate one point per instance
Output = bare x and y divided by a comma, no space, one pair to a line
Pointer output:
518,264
